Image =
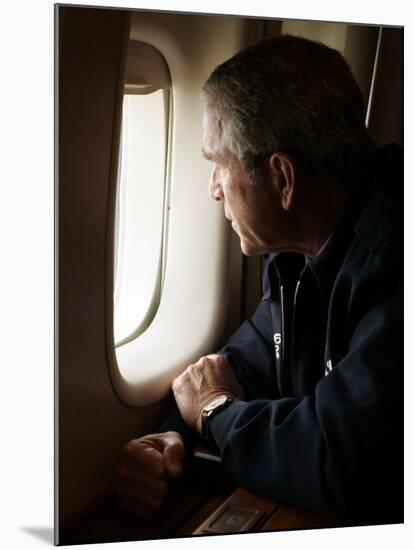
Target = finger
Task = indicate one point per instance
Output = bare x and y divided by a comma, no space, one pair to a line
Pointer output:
179,381
174,454
218,359
145,459
140,482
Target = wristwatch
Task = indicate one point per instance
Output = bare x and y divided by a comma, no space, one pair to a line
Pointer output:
213,407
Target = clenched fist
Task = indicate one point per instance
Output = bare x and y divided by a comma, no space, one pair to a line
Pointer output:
201,382
148,466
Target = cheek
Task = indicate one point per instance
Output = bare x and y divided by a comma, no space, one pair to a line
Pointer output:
235,198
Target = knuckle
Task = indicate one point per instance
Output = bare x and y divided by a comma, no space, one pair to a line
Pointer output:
200,365
127,449
219,360
132,447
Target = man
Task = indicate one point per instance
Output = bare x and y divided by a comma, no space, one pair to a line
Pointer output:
304,403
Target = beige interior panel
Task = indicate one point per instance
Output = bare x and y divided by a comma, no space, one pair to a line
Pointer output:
385,120
93,422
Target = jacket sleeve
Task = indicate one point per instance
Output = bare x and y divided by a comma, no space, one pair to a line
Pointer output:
250,350
250,354
252,339
339,450
175,422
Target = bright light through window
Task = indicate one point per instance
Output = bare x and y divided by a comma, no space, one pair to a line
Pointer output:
140,213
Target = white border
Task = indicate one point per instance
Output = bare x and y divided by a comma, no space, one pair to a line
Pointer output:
26,300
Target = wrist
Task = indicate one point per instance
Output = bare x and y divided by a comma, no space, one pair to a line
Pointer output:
211,408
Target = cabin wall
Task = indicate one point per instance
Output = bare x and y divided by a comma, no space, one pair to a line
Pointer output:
94,423
385,120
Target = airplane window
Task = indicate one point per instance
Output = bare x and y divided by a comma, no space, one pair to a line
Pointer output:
182,246
140,202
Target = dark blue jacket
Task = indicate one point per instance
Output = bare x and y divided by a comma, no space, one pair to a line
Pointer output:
321,364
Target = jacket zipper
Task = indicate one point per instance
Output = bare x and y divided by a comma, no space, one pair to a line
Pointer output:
283,339
292,332
287,316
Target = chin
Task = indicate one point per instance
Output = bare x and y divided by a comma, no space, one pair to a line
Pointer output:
254,247
248,249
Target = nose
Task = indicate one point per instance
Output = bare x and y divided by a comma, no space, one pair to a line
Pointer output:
216,191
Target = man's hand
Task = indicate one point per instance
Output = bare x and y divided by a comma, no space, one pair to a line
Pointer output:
210,377
148,466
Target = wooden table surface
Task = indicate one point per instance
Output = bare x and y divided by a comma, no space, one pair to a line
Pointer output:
244,511
202,502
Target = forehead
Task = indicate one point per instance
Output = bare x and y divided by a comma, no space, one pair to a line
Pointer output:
212,132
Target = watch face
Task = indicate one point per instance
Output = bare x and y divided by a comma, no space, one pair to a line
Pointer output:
216,402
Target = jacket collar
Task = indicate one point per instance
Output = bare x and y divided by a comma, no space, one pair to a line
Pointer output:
326,264
360,213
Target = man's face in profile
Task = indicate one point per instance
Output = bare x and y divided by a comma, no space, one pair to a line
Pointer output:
251,202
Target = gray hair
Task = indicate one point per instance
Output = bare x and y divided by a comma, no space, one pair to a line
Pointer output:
294,95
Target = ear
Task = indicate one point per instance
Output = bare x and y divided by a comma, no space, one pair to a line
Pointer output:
283,173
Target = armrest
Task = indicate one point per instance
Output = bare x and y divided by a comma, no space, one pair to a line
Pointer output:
245,511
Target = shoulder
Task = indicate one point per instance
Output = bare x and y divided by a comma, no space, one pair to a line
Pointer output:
379,224
371,275
378,242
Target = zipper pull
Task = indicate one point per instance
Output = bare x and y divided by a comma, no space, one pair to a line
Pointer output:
296,292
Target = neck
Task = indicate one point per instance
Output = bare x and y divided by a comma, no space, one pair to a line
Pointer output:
317,215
